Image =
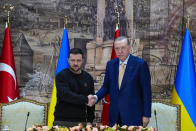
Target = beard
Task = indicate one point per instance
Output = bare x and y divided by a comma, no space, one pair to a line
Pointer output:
75,70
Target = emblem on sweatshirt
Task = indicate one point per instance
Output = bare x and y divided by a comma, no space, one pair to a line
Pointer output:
85,84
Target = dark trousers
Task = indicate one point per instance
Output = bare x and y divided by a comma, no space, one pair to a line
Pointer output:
119,122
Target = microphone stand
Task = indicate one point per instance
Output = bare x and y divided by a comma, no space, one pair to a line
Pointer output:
26,121
155,114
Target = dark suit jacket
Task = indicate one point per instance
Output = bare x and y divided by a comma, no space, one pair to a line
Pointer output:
133,100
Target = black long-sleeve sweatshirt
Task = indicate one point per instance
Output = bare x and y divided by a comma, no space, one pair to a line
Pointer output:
72,92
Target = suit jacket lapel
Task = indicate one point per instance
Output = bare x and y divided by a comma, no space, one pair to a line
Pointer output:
128,71
116,72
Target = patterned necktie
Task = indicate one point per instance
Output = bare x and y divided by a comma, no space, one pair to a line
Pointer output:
121,74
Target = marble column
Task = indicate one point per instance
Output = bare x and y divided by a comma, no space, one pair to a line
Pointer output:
100,30
100,18
106,54
90,61
129,15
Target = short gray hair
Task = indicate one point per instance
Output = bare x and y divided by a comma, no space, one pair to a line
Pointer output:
120,38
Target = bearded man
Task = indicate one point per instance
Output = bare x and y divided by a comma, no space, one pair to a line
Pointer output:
73,88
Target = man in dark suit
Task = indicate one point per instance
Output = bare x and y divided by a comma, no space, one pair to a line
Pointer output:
127,80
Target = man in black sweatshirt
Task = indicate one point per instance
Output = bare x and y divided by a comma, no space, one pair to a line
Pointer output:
74,87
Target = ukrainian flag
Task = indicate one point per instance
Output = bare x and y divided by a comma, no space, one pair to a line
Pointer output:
62,64
184,91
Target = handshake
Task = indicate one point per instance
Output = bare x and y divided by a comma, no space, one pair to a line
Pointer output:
91,100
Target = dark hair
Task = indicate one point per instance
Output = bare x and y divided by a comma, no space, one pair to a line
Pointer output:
76,51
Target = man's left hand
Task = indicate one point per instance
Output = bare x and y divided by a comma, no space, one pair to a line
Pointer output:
145,121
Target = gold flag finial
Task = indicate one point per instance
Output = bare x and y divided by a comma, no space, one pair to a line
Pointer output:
8,8
118,15
65,22
118,10
188,22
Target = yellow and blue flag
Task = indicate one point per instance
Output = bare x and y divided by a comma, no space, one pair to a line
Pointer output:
184,91
62,64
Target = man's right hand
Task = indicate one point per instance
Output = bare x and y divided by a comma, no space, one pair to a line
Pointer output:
145,121
91,100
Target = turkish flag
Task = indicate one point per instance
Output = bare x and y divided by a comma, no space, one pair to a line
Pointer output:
105,112
8,81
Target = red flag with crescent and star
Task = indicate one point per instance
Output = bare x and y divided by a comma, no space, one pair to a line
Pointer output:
8,82
105,112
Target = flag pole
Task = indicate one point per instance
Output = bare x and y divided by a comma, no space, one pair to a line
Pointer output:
105,112
9,90
188,22
8,8
188,27
184,84
65,22
118,10
8,19
62,64
118,17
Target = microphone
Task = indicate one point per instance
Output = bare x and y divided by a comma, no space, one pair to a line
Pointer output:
155,114
26,121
